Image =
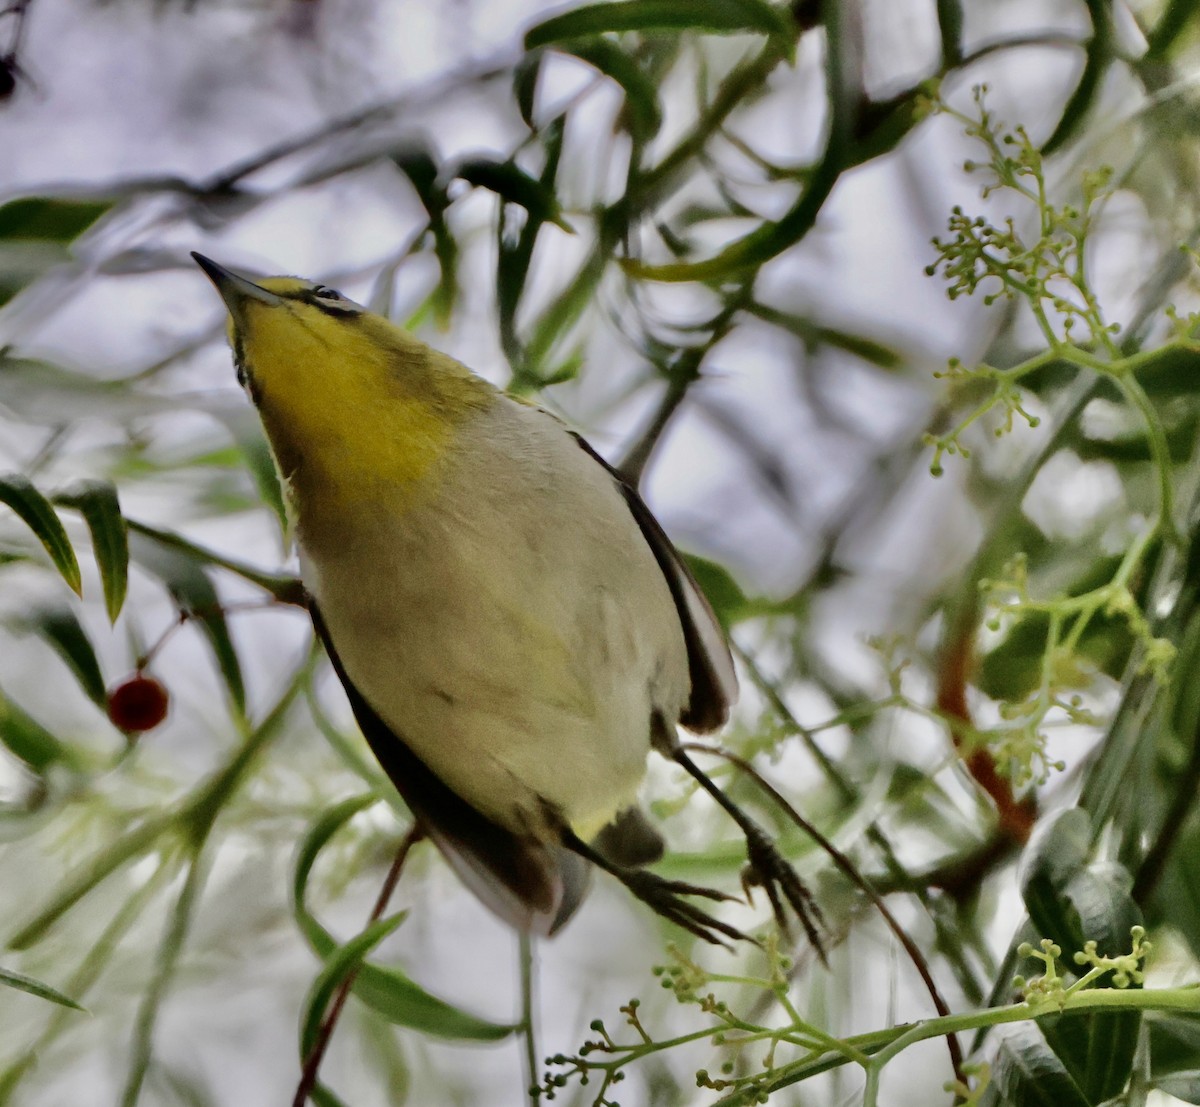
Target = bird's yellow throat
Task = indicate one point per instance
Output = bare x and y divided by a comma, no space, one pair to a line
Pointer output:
354,407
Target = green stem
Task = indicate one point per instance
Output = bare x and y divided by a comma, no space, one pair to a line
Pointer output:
91,873
164,972
90,969
1160,452
526,1027
284,588
885,1045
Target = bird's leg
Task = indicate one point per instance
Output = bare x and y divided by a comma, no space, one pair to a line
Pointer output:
665,897
766,866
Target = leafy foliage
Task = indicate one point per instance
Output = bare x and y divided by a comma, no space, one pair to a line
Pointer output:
1029,725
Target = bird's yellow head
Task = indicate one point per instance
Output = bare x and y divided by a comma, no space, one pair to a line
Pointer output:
354,406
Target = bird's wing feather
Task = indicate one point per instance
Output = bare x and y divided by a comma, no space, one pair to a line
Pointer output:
533,885
710,666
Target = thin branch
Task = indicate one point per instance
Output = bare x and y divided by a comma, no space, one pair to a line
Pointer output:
528,1029
312,1063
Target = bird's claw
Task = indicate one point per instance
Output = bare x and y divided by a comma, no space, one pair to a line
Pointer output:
666,898
767,868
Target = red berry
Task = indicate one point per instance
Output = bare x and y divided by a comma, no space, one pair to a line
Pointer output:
138,703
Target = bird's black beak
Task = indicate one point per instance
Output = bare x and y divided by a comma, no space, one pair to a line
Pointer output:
234,290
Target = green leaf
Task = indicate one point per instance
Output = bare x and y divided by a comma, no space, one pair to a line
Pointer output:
641,93
30,742
729,603
1176,898
61,628
282,586
705,16
950,25
1171,24
1057,850
1072,902
1100,54
1105,912
97,501
1026,1072
254,453
514,253
341,963
511,183
1069,900
90,873
42,218
310,848
191,588
1096,1048
387,991
1175,1054
36,988
418,165
37,512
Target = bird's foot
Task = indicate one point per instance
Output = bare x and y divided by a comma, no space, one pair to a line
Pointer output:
666,898
767,868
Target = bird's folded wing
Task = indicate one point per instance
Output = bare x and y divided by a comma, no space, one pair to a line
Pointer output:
714,682
533,885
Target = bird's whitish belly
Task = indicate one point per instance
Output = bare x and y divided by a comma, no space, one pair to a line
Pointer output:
518,633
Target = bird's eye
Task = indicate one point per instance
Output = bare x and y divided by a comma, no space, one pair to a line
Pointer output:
326,293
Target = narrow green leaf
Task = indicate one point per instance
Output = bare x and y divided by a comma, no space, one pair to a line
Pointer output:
526,74
1176,898
256,453
310,848
641,93
766,241
27,740
1069,900
192,590
323,1097
419,166
88,874
36,988
97,502
1072,902
37,512
881,125
390,993
510,182
1171,24
704,16
338,965
1100,55
514,253
950,27
61,628
282,586
1169,371
387,991
47,219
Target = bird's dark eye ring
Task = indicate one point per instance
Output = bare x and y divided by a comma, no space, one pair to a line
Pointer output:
326,293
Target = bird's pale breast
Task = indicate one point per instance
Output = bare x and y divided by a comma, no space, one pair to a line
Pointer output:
517,632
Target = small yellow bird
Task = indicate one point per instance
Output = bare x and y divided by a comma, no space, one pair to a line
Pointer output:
513,629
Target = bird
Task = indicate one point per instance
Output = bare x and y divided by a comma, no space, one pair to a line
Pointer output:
512,627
